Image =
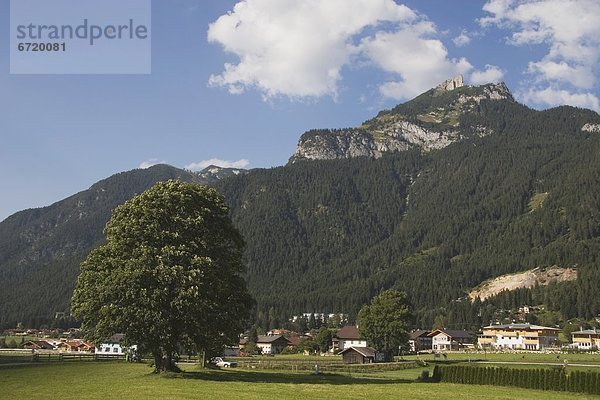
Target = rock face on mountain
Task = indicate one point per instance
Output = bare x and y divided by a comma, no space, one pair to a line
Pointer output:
213,173
595,128
527,279
429,122
451,84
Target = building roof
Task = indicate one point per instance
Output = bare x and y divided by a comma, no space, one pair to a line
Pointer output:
348,332
586,332
452,333
418,333
296,339
520,326
270,339
40,344
114,339
365,351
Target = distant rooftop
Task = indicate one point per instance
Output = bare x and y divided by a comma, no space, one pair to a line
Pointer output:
519,326
348,332
365,351
269,339
452,333
587,332
418,333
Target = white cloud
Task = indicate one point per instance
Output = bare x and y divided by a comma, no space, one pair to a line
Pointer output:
150,162
299,48
199,166
554,97
571,32
492,73
462,40
580,76
295,48
420,61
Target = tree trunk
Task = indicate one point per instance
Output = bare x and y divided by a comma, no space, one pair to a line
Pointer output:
202,357
169,364
158,363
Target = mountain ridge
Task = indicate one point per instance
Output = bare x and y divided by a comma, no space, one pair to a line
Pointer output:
326,235
429,121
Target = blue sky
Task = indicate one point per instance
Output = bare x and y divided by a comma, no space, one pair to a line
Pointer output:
239,82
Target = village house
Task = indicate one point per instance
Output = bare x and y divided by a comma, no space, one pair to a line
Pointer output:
419,340
113,347
75,345
272,344
38,345
446,339
358,355
518,336
348,336
586,339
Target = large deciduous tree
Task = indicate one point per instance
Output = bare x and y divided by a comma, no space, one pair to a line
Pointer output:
324,339
384,322
169,275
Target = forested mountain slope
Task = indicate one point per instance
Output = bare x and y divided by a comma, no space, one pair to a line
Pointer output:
513,190
328,235
40,249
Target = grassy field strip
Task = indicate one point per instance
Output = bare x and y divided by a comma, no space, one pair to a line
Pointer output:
120,380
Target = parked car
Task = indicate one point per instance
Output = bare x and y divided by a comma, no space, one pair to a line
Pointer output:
219,362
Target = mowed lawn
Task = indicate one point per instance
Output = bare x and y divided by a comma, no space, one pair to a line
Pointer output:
119,380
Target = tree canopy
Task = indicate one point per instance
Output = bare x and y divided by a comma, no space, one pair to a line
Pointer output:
384,322
168,276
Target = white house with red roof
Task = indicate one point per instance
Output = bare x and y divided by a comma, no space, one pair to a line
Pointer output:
346,337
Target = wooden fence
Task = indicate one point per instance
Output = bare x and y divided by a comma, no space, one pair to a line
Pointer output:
11,356
324,365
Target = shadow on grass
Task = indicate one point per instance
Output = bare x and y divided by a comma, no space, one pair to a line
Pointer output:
282,377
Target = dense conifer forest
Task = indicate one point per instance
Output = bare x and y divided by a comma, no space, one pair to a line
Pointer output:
329,235
326,236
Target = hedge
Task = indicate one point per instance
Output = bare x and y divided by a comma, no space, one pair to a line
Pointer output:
538,378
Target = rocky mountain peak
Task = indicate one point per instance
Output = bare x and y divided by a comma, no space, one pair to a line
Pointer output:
497,91
429,121
450,84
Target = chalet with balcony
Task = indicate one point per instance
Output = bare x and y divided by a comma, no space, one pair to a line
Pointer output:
419,340
272,344
448,339
348,336
586,340
518,337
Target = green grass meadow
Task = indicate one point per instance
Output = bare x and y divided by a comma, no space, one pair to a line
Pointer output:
120,380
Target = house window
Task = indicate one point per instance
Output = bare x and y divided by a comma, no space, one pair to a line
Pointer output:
116,350
107,349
